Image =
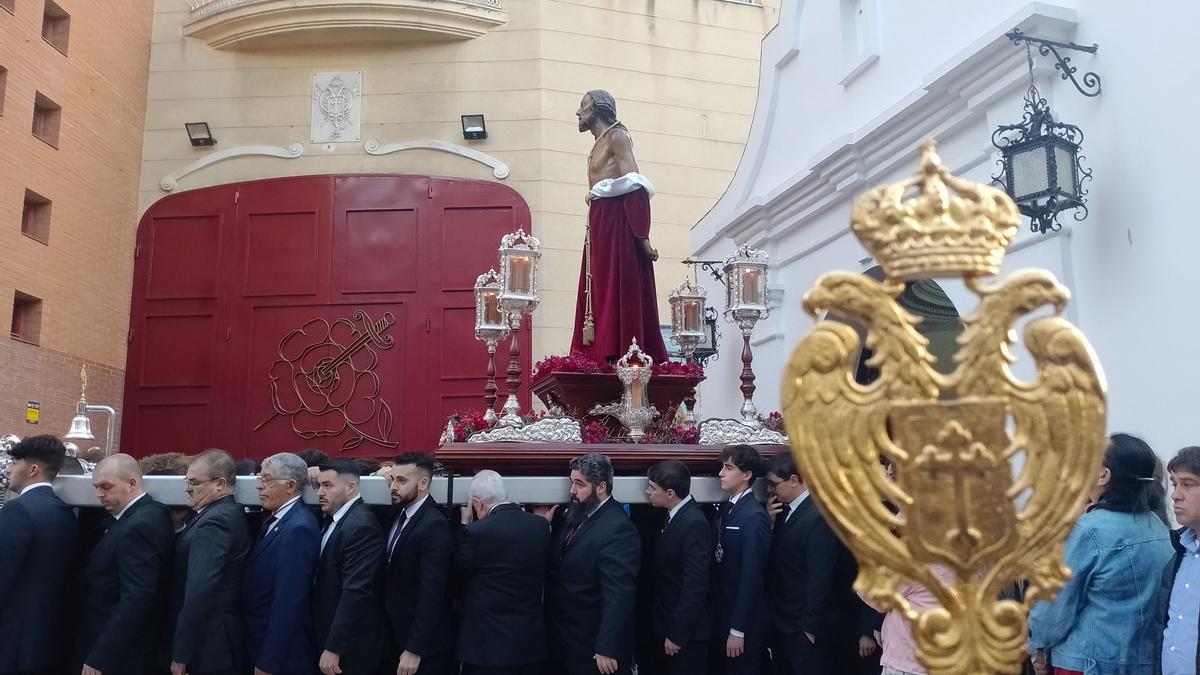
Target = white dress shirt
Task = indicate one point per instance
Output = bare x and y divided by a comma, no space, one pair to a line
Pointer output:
279,513
337,516
131,503
27,488
675,509
795,504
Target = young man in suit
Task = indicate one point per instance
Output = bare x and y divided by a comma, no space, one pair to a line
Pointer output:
743,539
802,576
126,578
204,632
591,589
419,552
500,560
682,558
39,541
1178,653
347,608
277,584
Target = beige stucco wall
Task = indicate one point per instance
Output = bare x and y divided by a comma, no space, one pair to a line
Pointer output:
82,274
684,73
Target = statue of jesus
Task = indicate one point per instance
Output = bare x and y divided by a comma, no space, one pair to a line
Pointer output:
617,301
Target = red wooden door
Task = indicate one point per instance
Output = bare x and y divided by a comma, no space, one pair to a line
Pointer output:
330,312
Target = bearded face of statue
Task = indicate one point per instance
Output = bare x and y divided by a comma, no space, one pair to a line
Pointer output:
586,114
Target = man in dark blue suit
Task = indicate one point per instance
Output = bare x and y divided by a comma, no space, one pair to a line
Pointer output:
39,539
204,634
277,585
743,540
683,556
125,581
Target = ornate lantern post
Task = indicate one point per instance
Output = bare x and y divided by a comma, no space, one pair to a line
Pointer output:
634,410
746,305
688,329
491,327
520,282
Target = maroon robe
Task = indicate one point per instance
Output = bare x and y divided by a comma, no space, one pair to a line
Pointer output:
624,302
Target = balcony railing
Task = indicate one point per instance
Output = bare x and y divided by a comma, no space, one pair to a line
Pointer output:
255,23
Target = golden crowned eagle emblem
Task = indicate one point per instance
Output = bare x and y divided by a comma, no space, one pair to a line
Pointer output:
990,471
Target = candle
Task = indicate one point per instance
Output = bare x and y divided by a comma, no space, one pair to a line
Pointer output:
637,394
519,269
691,316
750,287
491,309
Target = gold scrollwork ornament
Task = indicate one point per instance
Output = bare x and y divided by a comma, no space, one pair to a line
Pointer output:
990,471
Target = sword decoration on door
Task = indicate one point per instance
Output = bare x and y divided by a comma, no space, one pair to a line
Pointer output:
324,380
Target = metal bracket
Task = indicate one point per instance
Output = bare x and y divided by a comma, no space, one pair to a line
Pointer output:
708,265
1050,47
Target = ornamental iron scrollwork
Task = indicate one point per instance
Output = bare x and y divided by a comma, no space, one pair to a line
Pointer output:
324,380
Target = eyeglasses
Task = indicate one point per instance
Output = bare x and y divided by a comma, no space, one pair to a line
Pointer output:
193,483
269,479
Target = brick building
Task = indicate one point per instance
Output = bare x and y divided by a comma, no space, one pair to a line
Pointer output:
73,78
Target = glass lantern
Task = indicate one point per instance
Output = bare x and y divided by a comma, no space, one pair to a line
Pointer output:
490,324
520,257
688,303
746,285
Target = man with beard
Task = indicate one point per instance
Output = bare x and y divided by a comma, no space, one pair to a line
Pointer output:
593,576
616,299
417,560
347,612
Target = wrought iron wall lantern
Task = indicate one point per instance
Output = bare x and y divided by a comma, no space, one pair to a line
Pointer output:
1040,162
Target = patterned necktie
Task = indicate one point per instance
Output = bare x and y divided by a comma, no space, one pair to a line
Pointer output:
267,527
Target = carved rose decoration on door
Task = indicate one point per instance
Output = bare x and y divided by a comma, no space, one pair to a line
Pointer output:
325,380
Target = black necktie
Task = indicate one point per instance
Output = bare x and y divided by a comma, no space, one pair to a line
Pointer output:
396,534
782,518
325,523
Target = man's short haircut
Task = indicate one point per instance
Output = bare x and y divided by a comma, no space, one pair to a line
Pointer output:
345,468
745,458
422,460
313,457
783,465
124,466
596,468
672,475
1187,459
220,465
366,466
488,487
287,466
46,451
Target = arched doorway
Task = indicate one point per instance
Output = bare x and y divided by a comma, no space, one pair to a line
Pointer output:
329,312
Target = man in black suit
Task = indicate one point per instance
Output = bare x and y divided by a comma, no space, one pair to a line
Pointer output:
125,581
500,559
39,540
801,576
591,590
347,612
743,539
419,552
682,557
204,627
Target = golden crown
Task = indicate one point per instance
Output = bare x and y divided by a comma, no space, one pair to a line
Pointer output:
936,225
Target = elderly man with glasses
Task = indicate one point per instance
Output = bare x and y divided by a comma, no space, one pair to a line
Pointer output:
277,585
204,635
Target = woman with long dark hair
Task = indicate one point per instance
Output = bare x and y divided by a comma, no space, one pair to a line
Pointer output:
1103,621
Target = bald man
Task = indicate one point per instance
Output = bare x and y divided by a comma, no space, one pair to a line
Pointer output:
124,585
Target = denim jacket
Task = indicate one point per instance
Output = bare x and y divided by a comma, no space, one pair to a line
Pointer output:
1104,621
